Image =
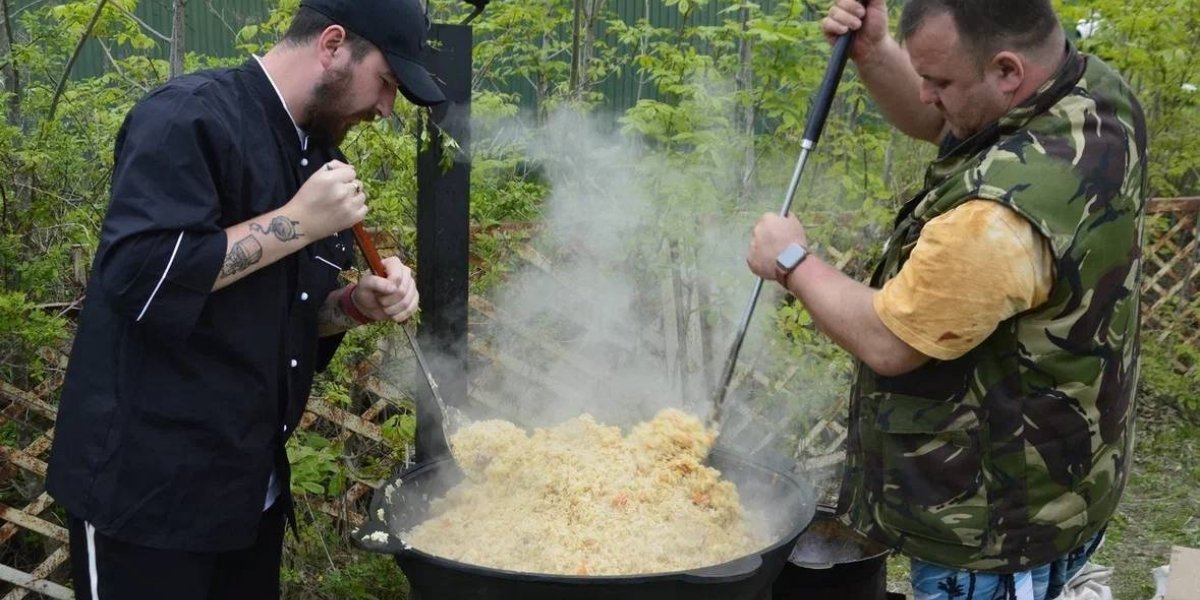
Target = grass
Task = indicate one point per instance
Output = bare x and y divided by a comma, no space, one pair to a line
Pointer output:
1160,509
324,565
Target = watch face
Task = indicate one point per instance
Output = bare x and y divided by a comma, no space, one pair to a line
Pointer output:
791,256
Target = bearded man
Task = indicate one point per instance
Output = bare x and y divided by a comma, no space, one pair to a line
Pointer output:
214,298
997,343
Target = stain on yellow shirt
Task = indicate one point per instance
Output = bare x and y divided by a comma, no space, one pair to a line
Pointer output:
972,268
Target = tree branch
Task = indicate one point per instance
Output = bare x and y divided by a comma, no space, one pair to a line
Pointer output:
62,81
121,72
221,17
28,6
3,216
144,25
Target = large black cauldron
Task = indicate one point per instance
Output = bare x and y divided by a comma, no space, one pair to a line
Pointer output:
401,504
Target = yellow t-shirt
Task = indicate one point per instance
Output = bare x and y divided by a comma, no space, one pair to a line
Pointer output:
972,268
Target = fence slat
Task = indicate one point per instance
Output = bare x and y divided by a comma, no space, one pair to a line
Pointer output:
1161,205
33,523
17,457
40,504
30,401
47,588
345,419
48,566
41,586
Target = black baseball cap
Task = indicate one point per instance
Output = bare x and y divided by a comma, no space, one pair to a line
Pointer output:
399,28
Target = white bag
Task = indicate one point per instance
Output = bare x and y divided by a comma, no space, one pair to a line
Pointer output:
1161,574
1090,583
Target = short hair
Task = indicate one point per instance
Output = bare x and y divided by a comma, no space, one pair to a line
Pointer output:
307,24
986,26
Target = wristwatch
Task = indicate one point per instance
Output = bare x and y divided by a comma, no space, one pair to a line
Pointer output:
788,260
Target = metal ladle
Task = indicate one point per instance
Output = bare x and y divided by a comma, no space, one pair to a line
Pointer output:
452,418
812,132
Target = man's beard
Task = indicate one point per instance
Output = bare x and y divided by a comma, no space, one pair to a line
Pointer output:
329,119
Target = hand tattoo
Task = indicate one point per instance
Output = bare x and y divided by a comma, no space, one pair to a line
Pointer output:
283,228
332,319
245,252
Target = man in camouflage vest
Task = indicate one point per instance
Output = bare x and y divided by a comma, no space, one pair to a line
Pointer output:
992,414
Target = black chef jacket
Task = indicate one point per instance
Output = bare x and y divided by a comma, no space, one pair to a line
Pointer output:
178,399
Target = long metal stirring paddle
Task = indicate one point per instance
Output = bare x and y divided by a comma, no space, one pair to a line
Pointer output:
452,419
812,132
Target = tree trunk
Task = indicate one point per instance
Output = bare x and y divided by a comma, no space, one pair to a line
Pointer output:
643,45
10,73
682,315
588,49
704,300
745,87
576,34
178,46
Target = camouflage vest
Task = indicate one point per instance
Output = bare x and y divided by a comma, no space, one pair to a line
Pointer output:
1017,452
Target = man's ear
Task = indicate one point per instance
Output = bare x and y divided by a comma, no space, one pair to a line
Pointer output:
329,42
1008,71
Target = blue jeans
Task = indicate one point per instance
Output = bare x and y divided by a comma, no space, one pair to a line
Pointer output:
934,582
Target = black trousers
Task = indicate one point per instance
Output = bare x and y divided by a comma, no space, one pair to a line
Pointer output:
108,569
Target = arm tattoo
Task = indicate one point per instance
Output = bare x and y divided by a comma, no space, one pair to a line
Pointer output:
283,228
245,252
332,319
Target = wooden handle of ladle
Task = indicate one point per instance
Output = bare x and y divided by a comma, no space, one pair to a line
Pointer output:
368,249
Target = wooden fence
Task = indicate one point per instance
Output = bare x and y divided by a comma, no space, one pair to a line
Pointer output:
1170,304
1171,308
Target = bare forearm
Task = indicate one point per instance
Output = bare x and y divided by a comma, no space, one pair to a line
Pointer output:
257,243
843,309
896,88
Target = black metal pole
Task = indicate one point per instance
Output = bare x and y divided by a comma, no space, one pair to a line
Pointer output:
443,235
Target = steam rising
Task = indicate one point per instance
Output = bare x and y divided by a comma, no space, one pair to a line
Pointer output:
584,324
630,299
627,301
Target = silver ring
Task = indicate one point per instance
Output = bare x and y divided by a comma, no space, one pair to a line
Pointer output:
328,166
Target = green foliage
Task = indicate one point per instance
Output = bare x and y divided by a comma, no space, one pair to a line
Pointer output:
323,565
399,429
359,577
1153,46
315,463
55,172
25,329
257,38
527,46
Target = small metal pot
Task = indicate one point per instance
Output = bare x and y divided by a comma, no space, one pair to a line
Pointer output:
831,560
